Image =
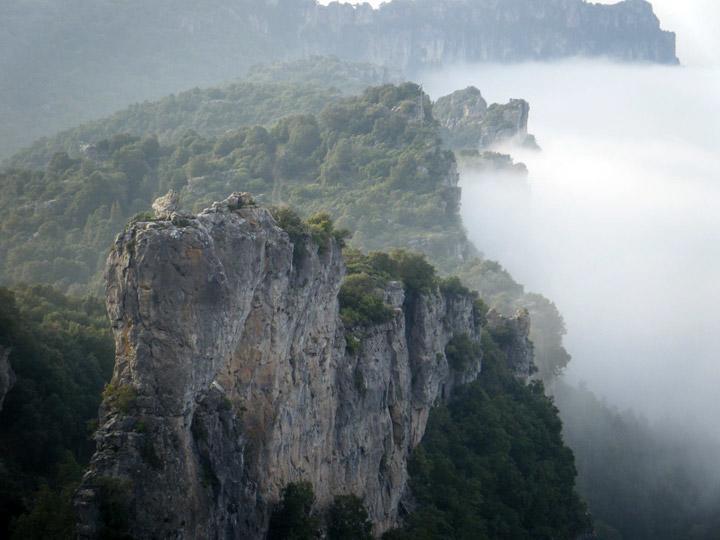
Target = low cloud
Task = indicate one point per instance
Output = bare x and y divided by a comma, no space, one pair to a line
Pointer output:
618,223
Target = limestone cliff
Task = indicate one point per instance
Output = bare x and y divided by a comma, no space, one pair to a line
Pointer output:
415,34
233,378
468,123
7,376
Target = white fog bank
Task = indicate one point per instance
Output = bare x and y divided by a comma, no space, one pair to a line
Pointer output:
618,223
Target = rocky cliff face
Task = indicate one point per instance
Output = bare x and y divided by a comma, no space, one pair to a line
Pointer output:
468,123
413,34
233,378
7,376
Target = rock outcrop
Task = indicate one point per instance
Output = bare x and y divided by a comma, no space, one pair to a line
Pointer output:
468,123
233,378
7,376
165,206
511,334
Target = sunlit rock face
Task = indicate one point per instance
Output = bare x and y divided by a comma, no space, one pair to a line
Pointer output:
233,378
415,34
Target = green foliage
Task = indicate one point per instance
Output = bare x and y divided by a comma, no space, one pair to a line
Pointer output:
361,301
294,518
62,354
319,227
362,293
374,163
497,287
452,286
462,352
140,217
209,112
413,269
288,220
347,519
640,481
480,311
115,508
120,397
322,230
493,465
52,515
352,344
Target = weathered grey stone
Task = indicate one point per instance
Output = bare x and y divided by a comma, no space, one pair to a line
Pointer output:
167,204
230,345
512,334
468,123
7,376
461,108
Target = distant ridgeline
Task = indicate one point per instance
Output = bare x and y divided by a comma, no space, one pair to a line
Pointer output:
64,62
413,34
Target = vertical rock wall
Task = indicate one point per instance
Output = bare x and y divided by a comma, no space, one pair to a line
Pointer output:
232,379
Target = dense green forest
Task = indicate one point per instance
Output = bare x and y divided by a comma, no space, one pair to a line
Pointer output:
492,464
62,354
267,93
295,517
376,162
639,481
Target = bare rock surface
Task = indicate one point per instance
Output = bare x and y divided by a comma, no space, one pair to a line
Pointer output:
233,378
7,376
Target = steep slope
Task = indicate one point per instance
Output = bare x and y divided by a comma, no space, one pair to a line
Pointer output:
376,162
234,377
493,465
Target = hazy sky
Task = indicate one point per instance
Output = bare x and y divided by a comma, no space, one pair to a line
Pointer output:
695,21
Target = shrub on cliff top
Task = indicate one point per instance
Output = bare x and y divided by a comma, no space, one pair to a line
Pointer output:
119,396
461,351
411,268
361,301
319,226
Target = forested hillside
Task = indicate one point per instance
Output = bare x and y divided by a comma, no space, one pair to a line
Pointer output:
639,481
267,93
493,464
376,162
62,355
